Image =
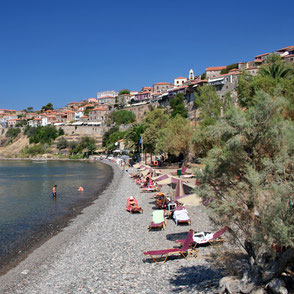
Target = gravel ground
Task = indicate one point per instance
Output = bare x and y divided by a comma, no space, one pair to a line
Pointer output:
101,251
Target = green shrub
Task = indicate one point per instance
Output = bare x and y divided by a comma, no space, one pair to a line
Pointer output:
62,143
76,156
43,135
34,150
12,133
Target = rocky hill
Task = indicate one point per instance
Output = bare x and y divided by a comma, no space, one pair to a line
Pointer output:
14,149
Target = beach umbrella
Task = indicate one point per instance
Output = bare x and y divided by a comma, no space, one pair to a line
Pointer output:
146,171
179,191
154,173
191,199
167,181
160,177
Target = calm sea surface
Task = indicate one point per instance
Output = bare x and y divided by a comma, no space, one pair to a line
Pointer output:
28,212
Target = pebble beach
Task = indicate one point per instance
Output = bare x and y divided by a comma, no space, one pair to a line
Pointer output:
101,251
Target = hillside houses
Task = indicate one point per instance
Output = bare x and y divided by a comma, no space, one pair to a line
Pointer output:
97,110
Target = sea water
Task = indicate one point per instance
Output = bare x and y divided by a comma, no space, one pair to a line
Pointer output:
28,212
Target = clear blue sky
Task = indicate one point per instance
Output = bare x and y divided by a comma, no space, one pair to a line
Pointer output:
60,51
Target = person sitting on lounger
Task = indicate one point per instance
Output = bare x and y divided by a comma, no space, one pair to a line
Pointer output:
132,201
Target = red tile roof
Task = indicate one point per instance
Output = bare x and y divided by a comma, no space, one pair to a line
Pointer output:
291,55
99,108
180,78
286,48
264,54
216,68
162,83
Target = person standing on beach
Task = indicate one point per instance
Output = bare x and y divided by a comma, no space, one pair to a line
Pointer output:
54,191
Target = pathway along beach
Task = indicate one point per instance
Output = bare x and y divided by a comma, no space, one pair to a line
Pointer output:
101,251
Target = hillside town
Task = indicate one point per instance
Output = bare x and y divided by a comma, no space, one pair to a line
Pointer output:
94,112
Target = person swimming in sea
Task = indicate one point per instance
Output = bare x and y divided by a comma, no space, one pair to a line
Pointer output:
54,191
80,189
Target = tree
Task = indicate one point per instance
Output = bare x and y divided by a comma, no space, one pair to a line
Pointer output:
12,133
60,132
62,143
43,135
203,76
275,78
107,134
49,106
276,68
247,184
178,105
175,137
123,117
208,103
88,109
75,148
124,91
89,144
228,68
133,136
153,121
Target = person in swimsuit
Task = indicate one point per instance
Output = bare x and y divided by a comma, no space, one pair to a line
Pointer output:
54,191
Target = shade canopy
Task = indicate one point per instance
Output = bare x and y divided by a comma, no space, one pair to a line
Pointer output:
147,171
191,199
160,177
167,181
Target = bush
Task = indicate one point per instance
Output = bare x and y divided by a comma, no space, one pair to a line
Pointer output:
34,150
62,143
12,133
43,135
123,117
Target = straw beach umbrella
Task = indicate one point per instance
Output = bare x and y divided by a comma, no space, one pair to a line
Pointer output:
167,181
191,199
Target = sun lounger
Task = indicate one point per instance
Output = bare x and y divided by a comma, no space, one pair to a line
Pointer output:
216,236
184,251
132,205
158,220
181,216
151,189
207,237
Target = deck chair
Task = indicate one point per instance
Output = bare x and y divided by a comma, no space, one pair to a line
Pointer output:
184,251
158,220
215,239
181,216
132,205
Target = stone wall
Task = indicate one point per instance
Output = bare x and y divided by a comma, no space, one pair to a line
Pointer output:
84,130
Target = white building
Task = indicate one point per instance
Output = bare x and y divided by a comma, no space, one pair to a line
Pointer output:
106,94
179,81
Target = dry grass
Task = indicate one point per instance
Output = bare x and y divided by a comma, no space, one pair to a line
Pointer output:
14,149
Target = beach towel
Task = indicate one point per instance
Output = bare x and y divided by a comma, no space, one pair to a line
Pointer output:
181,216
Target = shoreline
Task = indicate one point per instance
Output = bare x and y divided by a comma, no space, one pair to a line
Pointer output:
101,251
42,236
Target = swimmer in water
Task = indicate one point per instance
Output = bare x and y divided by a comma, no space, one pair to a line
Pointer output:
80,189
54,191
